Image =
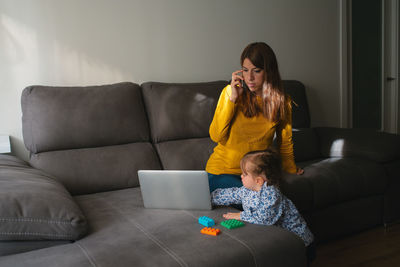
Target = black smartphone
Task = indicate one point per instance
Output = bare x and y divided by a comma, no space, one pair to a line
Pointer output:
242,83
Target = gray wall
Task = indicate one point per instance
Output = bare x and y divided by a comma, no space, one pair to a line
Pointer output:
75,42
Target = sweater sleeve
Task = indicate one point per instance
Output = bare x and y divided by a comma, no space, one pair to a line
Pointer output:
227,196
286,146
223,115
268,211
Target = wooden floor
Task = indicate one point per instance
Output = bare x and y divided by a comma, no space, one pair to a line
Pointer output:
376,247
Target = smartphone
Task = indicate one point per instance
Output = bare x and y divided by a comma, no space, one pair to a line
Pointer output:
242,83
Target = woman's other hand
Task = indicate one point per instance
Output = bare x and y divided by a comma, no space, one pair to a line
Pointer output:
236,85
299,171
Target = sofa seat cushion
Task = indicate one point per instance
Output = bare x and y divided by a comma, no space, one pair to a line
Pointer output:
334,180
33,206
124,233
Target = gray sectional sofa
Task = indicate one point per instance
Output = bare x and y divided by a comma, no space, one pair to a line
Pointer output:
78,201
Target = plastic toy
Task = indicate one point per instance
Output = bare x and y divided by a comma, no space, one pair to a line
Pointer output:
206,221
210,231
231,224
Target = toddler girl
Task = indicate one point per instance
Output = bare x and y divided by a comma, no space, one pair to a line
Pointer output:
262,201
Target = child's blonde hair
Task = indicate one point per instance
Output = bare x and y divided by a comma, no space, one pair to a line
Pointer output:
264,163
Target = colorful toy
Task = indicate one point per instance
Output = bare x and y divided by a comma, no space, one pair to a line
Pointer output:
206,221
231,224
210,231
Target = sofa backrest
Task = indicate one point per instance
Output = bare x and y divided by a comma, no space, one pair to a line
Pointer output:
95,138
179,117
91,138
300,111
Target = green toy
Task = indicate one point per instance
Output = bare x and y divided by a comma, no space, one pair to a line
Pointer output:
232,224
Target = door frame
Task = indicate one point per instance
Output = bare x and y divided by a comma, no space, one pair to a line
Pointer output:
390,120
345,65
390,61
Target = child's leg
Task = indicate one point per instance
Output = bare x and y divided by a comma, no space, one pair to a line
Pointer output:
311,253
224,181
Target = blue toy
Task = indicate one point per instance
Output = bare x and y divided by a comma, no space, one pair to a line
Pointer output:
206,221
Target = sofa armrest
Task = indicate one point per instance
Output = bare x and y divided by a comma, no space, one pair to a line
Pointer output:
364,143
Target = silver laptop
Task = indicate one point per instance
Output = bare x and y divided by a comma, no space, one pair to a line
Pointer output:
167,189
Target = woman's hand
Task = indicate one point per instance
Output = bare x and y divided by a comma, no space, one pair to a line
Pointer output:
236,85
299,171
232,215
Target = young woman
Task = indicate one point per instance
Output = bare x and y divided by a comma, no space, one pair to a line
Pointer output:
249,112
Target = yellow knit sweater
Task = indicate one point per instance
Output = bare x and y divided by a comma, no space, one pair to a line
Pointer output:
244,135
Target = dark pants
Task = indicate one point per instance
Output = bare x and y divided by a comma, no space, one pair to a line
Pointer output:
310,253
224,181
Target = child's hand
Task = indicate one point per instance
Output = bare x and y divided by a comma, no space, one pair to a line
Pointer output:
232,215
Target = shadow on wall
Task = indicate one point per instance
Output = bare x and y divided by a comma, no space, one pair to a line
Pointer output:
60,43
35,57
130,41
34,51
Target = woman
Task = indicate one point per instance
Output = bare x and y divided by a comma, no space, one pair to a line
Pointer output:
249,112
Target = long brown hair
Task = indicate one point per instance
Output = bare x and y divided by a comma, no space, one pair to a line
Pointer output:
275,103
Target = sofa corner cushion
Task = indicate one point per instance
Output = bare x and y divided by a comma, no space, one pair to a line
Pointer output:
33,206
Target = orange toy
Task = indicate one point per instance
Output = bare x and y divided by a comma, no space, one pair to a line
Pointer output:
210,231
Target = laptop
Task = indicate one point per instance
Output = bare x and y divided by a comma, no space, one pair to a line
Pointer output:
173,189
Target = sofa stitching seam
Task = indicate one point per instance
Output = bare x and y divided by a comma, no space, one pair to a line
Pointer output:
170,252
244,244
86,254
34,220
159,243
237,239
35,234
